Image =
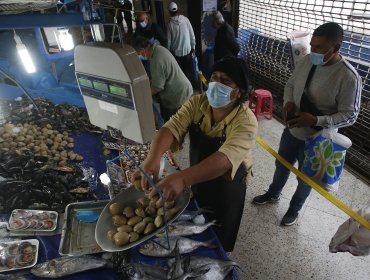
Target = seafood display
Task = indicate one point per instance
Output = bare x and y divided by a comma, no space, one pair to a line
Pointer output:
18,254
185,229
62,117
67,266
188,267
29,182
131,223
36,155
43,141
155,247
33,220
200,268
132,218
138,271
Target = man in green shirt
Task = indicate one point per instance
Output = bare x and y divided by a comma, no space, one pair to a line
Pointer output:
167,81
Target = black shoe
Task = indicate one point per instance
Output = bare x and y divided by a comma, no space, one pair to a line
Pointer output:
289,218
265,198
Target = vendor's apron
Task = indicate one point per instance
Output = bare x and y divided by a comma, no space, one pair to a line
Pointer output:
225,198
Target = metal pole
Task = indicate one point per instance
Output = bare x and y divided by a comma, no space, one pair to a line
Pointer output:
114,27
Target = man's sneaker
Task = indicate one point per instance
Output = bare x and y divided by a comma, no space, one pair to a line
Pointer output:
265,198
289,218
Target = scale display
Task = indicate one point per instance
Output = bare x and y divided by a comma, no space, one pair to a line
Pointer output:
106,90
118,90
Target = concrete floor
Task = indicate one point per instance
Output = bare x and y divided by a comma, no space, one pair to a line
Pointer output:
266,250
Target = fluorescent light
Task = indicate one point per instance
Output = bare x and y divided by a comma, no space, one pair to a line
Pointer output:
65,39
24,55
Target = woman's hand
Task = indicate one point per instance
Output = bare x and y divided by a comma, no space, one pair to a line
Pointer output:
171,186
150,167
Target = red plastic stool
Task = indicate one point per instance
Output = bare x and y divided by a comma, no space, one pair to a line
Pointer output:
259,108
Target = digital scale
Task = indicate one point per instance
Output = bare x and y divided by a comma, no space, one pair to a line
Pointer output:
116,89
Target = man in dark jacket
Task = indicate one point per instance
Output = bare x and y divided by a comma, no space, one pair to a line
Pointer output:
225,41
150,30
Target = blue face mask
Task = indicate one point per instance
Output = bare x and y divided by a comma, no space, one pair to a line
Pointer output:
218,94
143,24
318,58
142,57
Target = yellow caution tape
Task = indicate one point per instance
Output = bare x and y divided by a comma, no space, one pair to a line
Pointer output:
316,187
202,78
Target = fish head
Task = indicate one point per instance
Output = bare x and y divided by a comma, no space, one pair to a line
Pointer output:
44,269
148,247
132,272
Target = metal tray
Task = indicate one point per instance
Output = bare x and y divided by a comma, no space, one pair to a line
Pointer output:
78,238
128,197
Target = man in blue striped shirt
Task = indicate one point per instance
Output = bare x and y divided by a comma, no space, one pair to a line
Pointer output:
324,91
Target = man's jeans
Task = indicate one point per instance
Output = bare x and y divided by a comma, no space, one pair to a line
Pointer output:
292,149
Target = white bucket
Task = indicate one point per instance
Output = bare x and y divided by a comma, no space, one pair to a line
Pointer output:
300,44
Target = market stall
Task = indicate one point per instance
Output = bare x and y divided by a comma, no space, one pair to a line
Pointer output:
52,201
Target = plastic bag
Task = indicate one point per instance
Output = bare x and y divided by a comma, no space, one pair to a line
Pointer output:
324,157
300,44
195,67
352,237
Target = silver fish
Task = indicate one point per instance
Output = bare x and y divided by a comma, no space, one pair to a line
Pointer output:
12,277
203,268
138,271
188,215
185,229
185,245
66,266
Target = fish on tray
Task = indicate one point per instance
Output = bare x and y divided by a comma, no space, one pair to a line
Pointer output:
185,229
189,215
185,246
200,268
138,271
67,265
